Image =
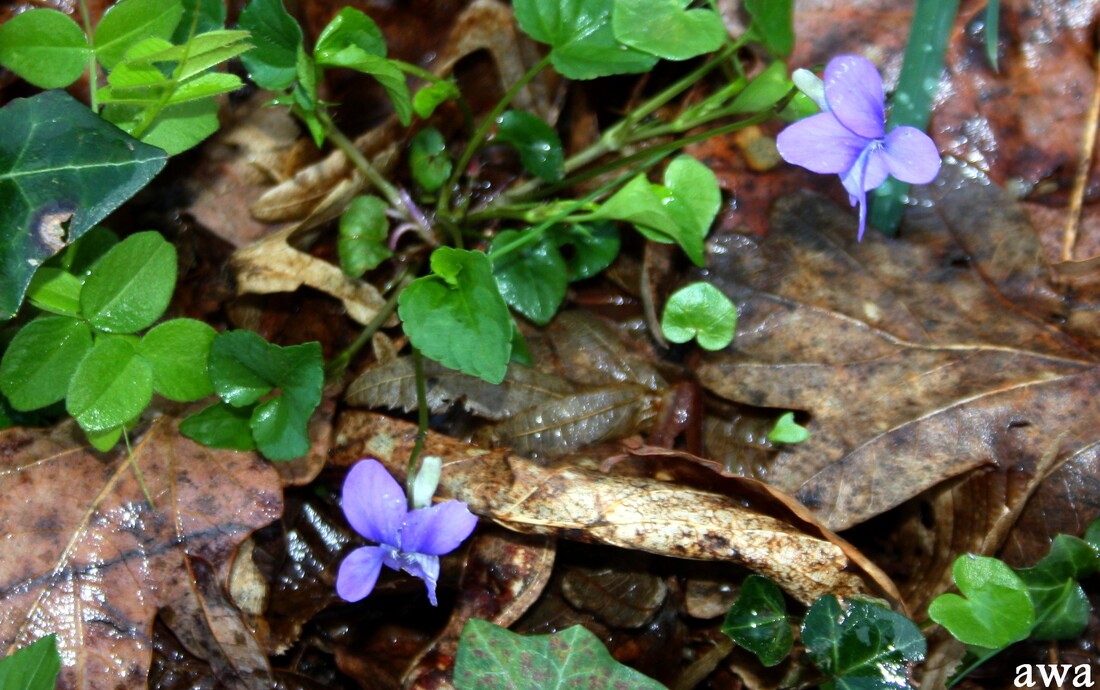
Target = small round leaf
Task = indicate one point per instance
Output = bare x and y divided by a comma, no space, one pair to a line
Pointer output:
700,311
179,352
41,359
130,287
112,385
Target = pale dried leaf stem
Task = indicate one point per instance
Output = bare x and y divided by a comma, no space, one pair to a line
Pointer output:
1080,180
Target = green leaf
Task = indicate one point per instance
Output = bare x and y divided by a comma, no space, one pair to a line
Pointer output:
1092,535
55,291
103,440
131,21
384,72
700,311
457,317
130,288
758,621
997,610
34,667
862,646
45,47
179,353
363,231
221,426
428,159
79,257
243,366
199,54
532,279
1061,607
667,29
59,163
786,430
112,385
580,35
273,62
765,90
205,86
772,24
351,28
41,359
538,144
175,129
679,211
205,15
430,97
593,246
490,656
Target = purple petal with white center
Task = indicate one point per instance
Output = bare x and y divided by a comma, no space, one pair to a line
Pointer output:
438,529
374,503
853,89
911,156
424,566
820,144
359,572
855,182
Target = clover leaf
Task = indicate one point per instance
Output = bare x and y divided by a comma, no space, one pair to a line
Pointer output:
130,287
34,667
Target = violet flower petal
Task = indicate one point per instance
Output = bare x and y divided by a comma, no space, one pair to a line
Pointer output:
853,89
911,156
374,502
437,529
821,144
359,572
424,566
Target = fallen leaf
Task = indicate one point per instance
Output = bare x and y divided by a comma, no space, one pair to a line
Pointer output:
98,563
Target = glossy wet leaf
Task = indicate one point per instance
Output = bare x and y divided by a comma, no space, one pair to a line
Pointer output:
579,32
863,645
273,63
758,621
59,164
130,21
492,657
112,385
34,667
456,315
221,426
130,287
45,47
700,311
41,359
538,144
994,610
533,279
363,232
428,159
103,560
667,28
179,352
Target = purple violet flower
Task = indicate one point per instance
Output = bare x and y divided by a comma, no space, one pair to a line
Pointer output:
413,541
849,137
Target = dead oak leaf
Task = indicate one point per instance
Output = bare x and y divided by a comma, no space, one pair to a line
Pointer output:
87,557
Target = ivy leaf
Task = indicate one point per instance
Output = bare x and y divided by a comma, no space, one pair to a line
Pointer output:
34,667
273,63
430,97
538,144
40,361
456,315
490,656
130,287
758,621
59,162
862,646
428,160
786,430
221,426
1061,606
362,237
667,29
532,279
583,44
700,311
111,386
45,47
131,21
997,610
594,246
55,291
351,28
179,353
772,24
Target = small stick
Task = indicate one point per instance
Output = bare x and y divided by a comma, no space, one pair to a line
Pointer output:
1080,181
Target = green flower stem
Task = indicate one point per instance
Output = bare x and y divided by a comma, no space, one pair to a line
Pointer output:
137,470
421,421
93,102
362,164
483,131
339,364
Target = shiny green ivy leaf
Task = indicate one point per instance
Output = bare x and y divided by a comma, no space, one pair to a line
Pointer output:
996,610
758,621
700,311
667,28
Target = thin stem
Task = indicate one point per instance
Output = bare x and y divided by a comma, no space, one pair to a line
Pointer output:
362,164
336,367
482,132
137,470
93,76
421,420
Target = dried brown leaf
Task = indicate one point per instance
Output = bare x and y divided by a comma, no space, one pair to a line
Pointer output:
589,350
97,561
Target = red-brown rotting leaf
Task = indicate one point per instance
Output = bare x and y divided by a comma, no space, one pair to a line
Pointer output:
97,561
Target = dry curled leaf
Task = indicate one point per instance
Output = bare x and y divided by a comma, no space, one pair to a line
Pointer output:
98,561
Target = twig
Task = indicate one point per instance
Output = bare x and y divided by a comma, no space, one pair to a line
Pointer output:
1080,181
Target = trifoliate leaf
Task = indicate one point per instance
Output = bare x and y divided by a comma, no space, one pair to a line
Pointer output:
758,621
533,278
45,47
456,315
700,311
538,144
112,385
40,361
490,656
362,237
34,667
179,353
428,160
666,28
130,288
272,64
996,610
583,45
130,21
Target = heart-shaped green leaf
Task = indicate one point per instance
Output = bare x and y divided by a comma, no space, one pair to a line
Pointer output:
667,29
996,610
786,430
700,311
531,279
538,144
758,621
